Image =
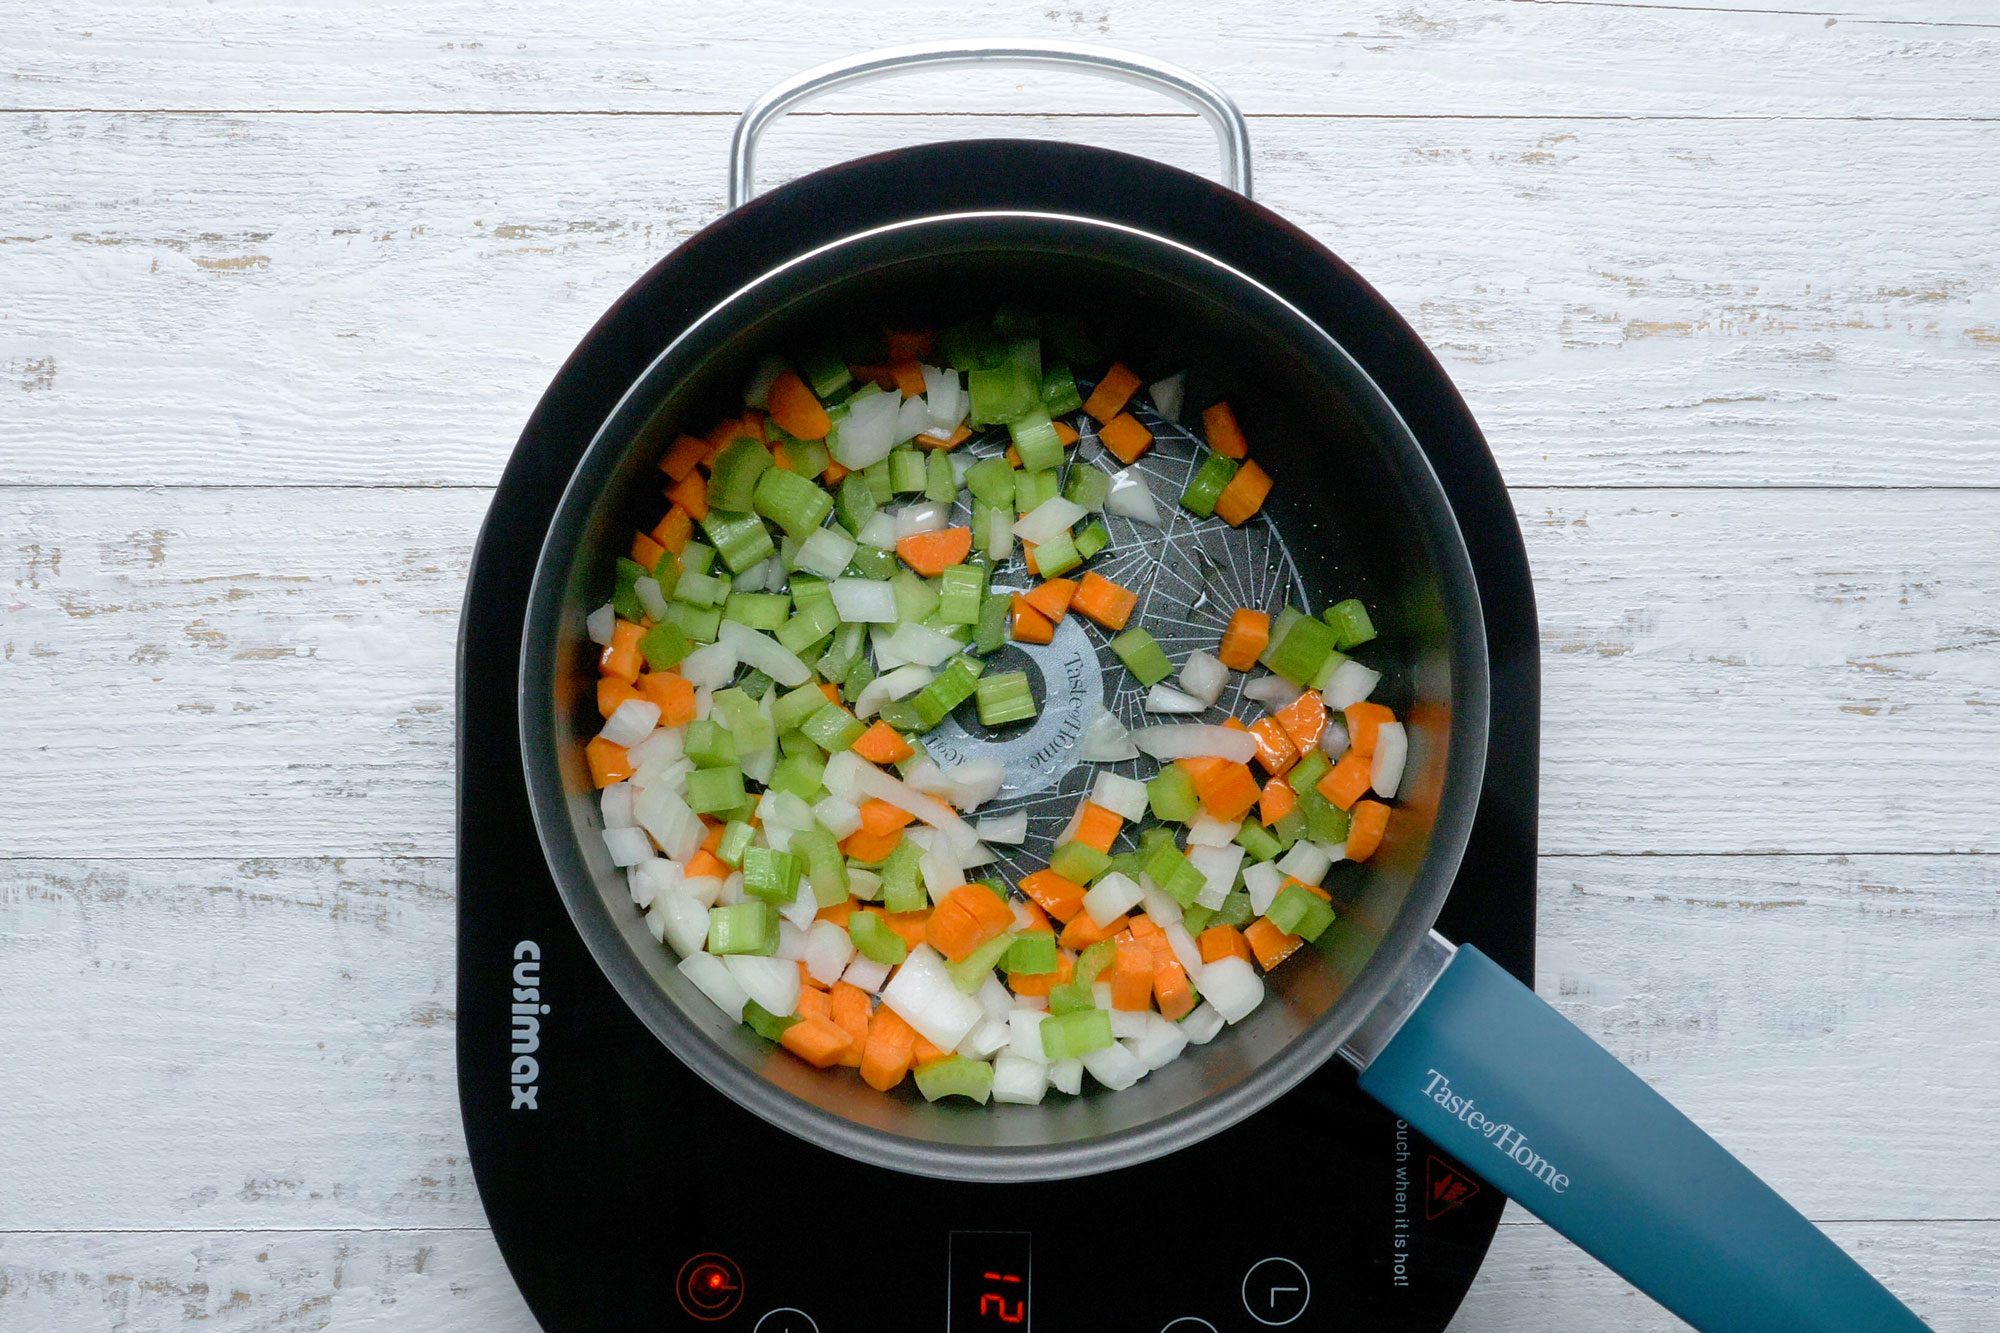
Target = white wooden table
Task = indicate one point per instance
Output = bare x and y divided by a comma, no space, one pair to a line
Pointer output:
279,284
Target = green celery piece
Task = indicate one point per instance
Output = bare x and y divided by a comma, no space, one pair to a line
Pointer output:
1174,875
1032,954
810,590
701,589
991,481
1005,698
902,888
1078,862
794,742
990,635
1032,487
736,839
794,503
749,927
759,610
698,557
907,473
1304,650
870,563
713,790
1257,841
708,744
1056,556
971,345
1196,918
770,875
1205,487
764,1023
1312,766
854,505
1151,840
754,683
825,867
1142,656
664,645
1059,392
849,643
667,573
1298,911
875,940
1133,864
740,539
625,597
1093,538
1068,997
955,1076
1036,441
970,972
833,728
960,588
955,683
1235,911
808,458
1094,961
1067,1036
1289,830
915,597
732,482
793,707
1088,486
808,625
798,774
940,483
824,369
699,623
876,475
1003,392
1350,623
1025,352
1325,821
857,678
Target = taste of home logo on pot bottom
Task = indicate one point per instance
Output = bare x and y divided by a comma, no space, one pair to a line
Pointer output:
1068,683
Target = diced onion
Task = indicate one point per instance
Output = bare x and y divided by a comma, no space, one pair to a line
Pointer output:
1010,828
879,531
1130,498
922,995
764,653
771,982
923,516
757,390
628,846
1233,987
662,813
1262,880
1194,741
922,645
987,1037
1164,698
871,781
1049,519
868,432
1111,897
1392,748
825,552
975,781
1208,831
712,664
1350,683
1274,692
828,949
945,398
1333,740
631,722
1000,536
614,803
1203,1024
1122,796
865,601
1019,1082
704,889
600,623
912,418
1160,1044
979,854
1168,395
1306,862
900,683
1203,676
713,978
683,922
1066,1076
1106,741
837,815
1160,909
648,591
1186,951
867,974
996,1000
1115,1067
1218,867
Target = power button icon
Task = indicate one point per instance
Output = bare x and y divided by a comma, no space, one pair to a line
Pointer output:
1276,1291
710,1287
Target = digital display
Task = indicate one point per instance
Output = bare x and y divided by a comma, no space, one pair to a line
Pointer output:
992,1276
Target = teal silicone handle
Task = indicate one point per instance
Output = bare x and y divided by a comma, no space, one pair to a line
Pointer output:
1495,1077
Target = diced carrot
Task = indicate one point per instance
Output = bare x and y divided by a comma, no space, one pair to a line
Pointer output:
1109,604
908,377
959,435
1112,392
1364,724
882,744
674,530
908,344
1038,920
1026,624
608,763
1244,495
1219,942
1013,457
1125,437
1270,945
1028,558
988,908
1041,983
1051,597
924,1052
1097,827
1141,928
672,693
1364,834
1066,433
931,553
691,494
814,1002
1244,641
885,1057
1275,750
1218,423
834,471
851,1010
1346,781
1227,789
1304,720
879,816
968,917
646,551
753,424
871,847
832,693
1082,932
1276,801
838,914
819,1042
705,864
620,657
912,926
711,841
792,405
682,455
725,433
611,692
1314,889
882,377
1059,897
1131,978
1171,989
780,459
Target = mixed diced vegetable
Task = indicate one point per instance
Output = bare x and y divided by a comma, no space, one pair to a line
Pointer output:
832,572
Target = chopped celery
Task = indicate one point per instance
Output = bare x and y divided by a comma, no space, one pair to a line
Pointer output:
754,683
1032,954
940,482
1003,392
1067,1036
824,369
794,503
808,458
698,557
955,1076
915,597
1196,918
955,683
970,972
1259,842
1092,962
849,644
902,889
708,745
1005,698
1032,487
808,625
991,634
833,728
876,474
710,790
701,589
825,867
1036,441
1142,656
799,774
758,610
750,927
1059,391
991,481
732,481
667,573
1174,875
854,505
764,1023
1235,911
1303,652
736,838
625,597
770,875
971,345
1093,538
1070,997
740,539
857,678
1325,821
1151,840
875,940
907,473
1281,625
1205,487
1056,556
1131,864
1299,911
792,743
810,590
1290,829
960,588
869,563
1078,862
1088,486
1312,766
1350,623
664,645
793,707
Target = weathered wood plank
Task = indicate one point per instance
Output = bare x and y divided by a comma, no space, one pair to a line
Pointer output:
1433,57
267,1043
1725,670
202,299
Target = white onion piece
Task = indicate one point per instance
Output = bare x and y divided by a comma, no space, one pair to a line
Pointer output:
1106,741
801,910
628,846
1186,951
1168,395
1350,683
662,813
771,982
828,950
1092,467
1066,1076
600,623
1392,748
1208,831
759,765
1110,898
663,746
868,432
900,683
731,892
922,995
1333,740
1218,867
1019,1082
704,702
1160,1044
837,815
647,590
921,644
1049,519
1122,796
864,884
1164,698
974,782
879,531
1306,862
866,973
941,869
683,922
865,601
631,722
944,397
886,656
987,1037
912,418
760,651
1011,828
1025,1035
979,854
1274,692
1127,1023
871,781
1233,987
1129,498
760,577
713,978
1263,881
757,390
1000,536
841,772
995,999
1160,909
712,665
1194,741
825,552
614,804
923,516
1204,676
704,889
1203,1024
961,463
1115,1067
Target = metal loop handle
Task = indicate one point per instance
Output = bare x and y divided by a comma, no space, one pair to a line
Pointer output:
1211,102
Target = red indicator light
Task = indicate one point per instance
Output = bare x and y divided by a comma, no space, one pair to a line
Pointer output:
709,1287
